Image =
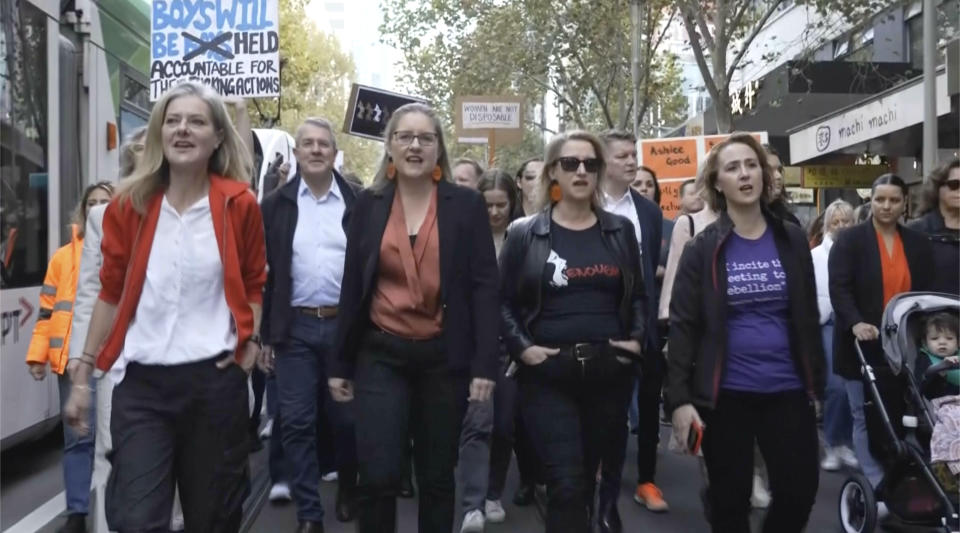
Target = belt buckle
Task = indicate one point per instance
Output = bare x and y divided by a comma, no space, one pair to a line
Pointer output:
580,358
319,311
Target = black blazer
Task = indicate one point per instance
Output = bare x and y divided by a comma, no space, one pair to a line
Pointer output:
856,288
698,314
468,279
280,214
522,261
651,227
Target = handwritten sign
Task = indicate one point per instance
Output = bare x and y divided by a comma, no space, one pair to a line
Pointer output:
479,116
230,45
677,159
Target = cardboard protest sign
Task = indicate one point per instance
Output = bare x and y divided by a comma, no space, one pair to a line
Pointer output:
230,45
677,159
497,117
370,108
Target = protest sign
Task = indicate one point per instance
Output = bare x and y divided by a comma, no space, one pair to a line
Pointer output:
496,117
369,109
677,159
231,45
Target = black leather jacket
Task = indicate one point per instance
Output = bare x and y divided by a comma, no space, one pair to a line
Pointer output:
523,260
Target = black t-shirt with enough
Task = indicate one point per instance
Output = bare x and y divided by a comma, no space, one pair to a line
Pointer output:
582,287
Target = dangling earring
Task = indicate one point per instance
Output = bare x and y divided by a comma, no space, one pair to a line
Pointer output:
391,170
556,193
437,174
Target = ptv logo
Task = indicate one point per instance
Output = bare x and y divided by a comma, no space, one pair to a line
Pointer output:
12,321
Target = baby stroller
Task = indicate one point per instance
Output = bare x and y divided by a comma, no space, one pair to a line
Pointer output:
899,425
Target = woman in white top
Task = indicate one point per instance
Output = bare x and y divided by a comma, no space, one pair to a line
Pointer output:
184,265
837,421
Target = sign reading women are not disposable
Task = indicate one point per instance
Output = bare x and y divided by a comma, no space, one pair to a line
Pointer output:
230,45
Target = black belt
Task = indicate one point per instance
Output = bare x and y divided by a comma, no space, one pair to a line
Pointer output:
329,311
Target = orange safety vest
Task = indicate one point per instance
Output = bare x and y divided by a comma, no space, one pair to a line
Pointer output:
51,335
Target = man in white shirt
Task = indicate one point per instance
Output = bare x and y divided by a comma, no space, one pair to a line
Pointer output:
304,224
619,198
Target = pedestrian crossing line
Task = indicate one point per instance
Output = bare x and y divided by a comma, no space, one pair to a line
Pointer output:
41,516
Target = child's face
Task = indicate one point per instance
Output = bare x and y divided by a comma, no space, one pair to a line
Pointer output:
940,342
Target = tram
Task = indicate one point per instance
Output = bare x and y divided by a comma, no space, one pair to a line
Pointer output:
73,83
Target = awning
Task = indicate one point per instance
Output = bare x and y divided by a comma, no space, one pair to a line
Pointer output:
894,109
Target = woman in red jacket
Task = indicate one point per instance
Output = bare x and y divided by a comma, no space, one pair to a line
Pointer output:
183,269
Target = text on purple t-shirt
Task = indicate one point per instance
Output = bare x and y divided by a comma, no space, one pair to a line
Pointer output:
758,334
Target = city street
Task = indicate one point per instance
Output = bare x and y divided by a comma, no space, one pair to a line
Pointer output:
32,477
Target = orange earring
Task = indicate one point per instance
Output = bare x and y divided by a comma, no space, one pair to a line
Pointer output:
391,171
556,193
437,173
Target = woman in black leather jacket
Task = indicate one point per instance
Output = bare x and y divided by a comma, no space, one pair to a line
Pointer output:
573,317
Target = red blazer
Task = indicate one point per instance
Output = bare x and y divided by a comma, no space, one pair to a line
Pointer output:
128,237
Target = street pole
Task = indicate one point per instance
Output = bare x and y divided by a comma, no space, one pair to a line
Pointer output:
930,141
635,63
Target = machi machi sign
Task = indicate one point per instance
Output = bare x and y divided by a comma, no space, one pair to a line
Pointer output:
370,108
230,45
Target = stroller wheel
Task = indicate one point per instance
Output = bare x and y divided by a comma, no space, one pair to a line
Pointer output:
858,505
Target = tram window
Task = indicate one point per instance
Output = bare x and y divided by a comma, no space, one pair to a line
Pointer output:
134,107
23,145
129,121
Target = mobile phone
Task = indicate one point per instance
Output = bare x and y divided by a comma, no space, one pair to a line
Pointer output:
694,438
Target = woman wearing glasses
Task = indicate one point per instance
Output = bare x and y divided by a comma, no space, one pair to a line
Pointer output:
941,223
573,317
418,321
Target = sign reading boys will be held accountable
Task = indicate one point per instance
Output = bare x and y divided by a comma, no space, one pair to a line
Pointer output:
230,45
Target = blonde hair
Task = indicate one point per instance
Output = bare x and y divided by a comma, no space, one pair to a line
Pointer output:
231,159
443,158
711,170
129,150
835,208
552,155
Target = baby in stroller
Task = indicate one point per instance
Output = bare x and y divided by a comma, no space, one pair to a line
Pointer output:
940,349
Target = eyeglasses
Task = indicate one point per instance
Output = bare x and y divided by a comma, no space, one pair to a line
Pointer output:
571,164
406,138
953,185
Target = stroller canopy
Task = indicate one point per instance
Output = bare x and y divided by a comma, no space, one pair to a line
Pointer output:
900,335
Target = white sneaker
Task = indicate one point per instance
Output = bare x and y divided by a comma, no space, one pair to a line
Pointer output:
267,430
760,498
831,459
280,492
494,511
472,522
847,457
330,477
882,512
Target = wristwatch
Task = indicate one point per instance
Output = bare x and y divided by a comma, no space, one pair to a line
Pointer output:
256,338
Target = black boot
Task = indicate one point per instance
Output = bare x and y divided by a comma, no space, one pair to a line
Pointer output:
346,507
609,518
306,526
524,496
377,515
76,523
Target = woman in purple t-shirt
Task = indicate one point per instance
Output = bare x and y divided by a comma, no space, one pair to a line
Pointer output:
745,356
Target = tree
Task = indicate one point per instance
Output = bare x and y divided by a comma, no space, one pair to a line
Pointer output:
576,52
315,78
721,32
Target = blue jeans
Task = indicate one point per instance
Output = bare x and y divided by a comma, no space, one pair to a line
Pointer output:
301,378
77,453
277,461
837,420
861,443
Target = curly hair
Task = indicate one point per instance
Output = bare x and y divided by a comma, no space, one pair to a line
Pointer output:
930,197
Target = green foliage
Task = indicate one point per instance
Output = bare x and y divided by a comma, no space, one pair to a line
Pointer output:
577,52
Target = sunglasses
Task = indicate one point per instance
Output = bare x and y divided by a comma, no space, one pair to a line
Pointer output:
571,164
953,185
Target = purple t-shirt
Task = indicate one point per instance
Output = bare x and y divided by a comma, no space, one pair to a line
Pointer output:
758,341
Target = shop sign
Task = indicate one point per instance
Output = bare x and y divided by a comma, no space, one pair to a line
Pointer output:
892,112
841,176
744,99
802,195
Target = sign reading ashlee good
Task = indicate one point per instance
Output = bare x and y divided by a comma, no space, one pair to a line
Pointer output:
675,160
496,117
893,111
230,45
841,176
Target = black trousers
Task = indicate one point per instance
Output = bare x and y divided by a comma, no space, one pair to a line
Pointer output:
785,428
183,425
571,411
403,388
648,417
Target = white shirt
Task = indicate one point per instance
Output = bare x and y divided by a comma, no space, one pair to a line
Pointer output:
624,207
821,257
182,316
319,247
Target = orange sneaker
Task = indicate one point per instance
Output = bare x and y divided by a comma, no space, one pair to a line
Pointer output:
650,496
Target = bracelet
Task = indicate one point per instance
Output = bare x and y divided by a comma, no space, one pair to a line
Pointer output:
87,388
